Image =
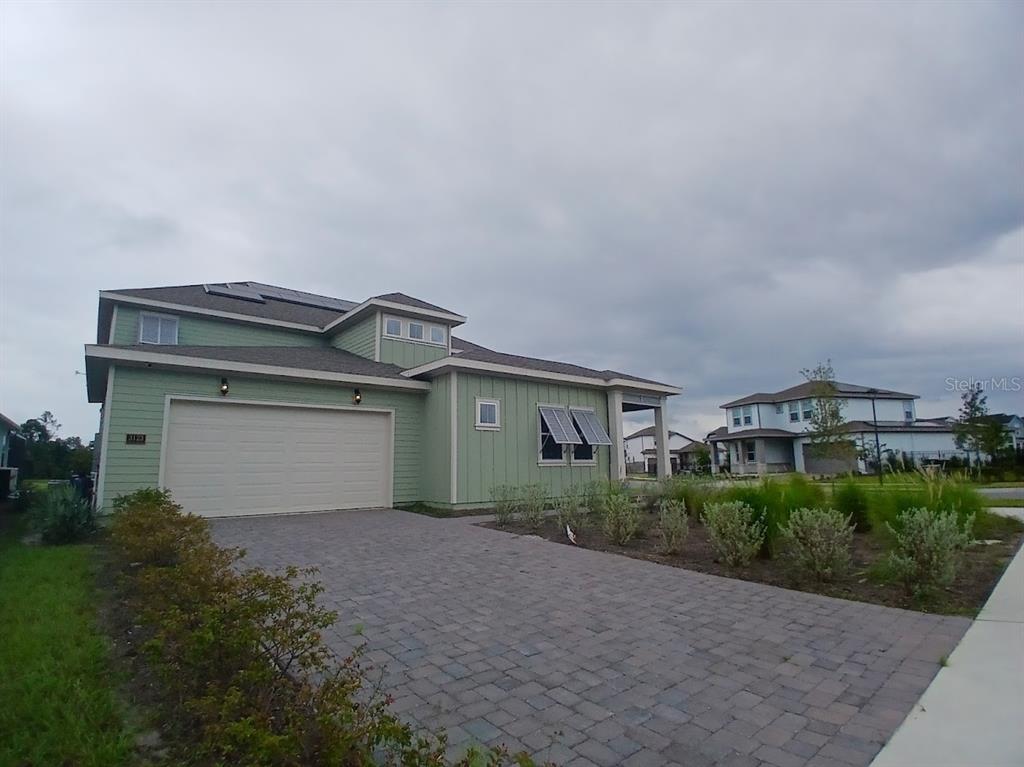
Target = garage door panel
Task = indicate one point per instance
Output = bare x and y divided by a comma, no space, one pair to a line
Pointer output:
227,459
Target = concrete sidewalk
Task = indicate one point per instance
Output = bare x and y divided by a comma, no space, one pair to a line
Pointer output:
972,714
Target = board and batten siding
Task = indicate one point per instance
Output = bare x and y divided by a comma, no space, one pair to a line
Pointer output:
360,338
437,467
510,456
201,331
137,407
406,354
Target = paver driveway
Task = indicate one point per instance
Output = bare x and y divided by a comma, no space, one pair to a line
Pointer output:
584,657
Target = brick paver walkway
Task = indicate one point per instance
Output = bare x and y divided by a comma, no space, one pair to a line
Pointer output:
582,657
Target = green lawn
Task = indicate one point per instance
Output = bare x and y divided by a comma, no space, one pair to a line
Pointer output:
1009,503
57,702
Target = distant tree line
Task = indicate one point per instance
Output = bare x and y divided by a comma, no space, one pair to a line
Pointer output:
47,456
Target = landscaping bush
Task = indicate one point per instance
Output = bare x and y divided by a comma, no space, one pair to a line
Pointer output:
240,653
694,493
927,550
506,504
851,500
734,531
620,519
818,542
674,526
923,491
572,511
61,515
534,502
773,501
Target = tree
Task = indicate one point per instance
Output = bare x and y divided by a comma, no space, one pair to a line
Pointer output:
975,431
828,434
49,457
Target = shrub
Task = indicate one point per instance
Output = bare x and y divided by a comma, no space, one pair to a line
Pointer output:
572,511
534,502
694,493
928,545
506,504
674,526
241,655
620,519
934,493
773,501
818,541
61,515
851,500
734,532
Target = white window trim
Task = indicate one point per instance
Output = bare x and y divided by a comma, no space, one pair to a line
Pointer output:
497,414
158,317
573,460
403,331
541,461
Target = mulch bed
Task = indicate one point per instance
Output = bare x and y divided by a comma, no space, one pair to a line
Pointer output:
980,568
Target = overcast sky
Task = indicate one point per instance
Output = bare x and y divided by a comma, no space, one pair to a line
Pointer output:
711,195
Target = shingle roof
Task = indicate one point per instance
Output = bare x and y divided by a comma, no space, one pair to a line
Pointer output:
271,308
937,427
401,298
718,435
649,432
809,389
325,358
481,354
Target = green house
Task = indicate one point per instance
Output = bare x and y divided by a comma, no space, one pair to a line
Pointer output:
245,398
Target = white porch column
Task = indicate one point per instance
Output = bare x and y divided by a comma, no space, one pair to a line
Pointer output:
661,434
617,459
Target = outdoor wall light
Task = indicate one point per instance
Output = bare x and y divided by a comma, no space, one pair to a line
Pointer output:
224,387
357,397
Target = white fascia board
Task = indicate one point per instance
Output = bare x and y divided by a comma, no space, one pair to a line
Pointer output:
185,308
203,363
455,319
520,372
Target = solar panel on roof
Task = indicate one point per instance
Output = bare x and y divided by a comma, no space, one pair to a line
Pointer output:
234,290
301,297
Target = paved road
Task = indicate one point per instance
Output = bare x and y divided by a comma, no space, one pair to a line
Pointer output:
1002,492
586,658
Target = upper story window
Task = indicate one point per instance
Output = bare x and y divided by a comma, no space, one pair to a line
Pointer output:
736,416
908,412
794,412
778,410
415,330
158,329
807,407
748,415
488,414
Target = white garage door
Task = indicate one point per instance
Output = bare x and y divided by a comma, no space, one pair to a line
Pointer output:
227,459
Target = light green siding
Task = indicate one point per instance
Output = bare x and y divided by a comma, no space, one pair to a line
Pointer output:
408,355
137,407
360,338
510,456
437,440
202,331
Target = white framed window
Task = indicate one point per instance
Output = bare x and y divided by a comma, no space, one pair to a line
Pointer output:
748,415
593,433
416,331
807,407
555,431
778,410
908,413
488,414
750,448
158,329
794,412
736,416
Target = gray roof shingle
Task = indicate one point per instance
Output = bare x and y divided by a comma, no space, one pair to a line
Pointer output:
401,298
809,389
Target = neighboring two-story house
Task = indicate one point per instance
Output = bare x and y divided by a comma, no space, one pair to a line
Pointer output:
244,398
767,433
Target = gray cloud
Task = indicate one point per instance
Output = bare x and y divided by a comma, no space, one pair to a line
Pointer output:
713,195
